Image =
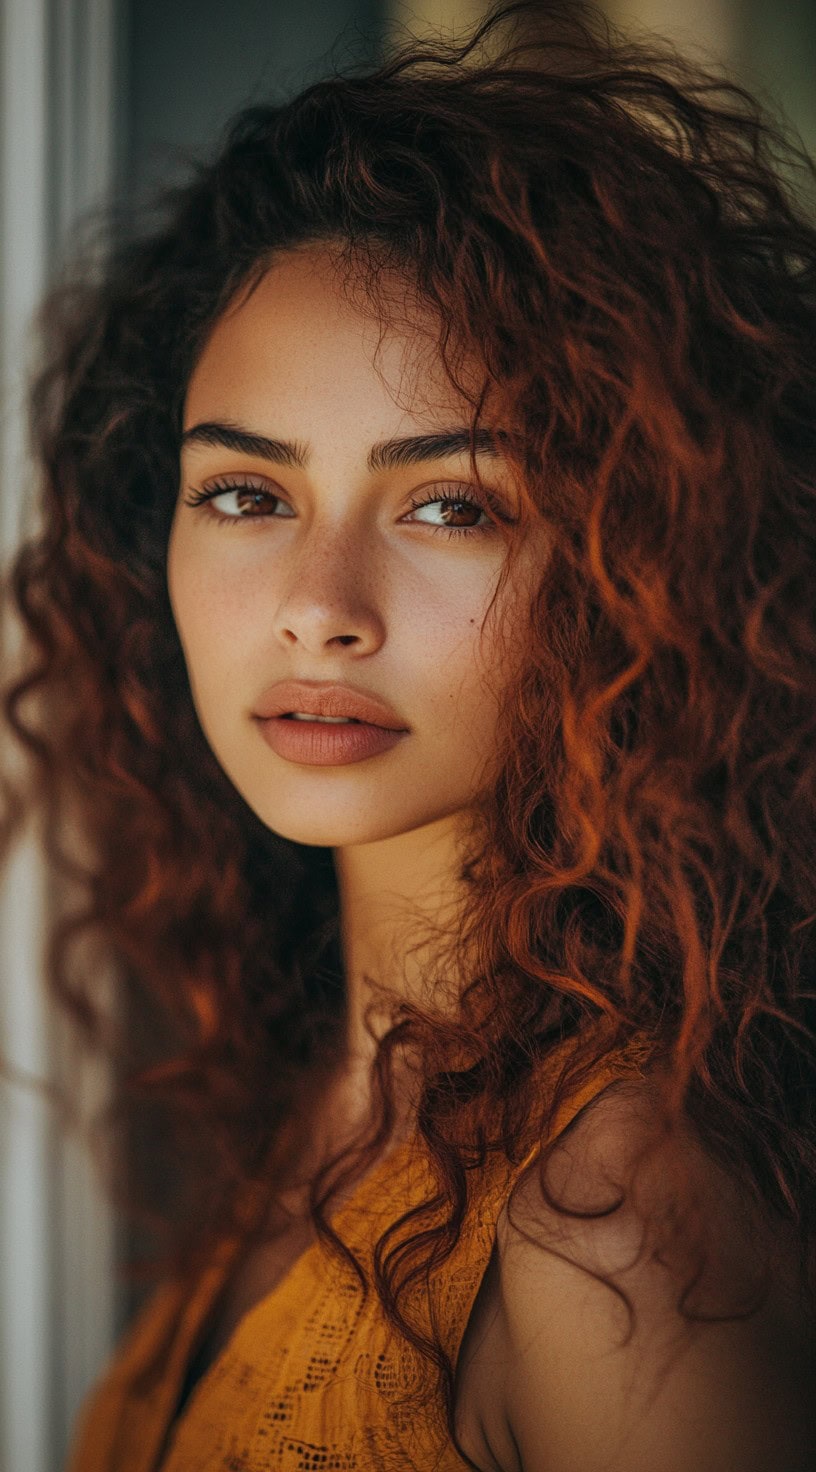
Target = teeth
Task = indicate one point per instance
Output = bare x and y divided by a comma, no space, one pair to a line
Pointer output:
299,715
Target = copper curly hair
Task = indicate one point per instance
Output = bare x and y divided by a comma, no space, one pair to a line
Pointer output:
624,243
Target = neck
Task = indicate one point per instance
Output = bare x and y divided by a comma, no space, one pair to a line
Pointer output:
397,895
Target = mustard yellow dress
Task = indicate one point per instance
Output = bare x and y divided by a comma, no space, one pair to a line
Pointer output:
313,1379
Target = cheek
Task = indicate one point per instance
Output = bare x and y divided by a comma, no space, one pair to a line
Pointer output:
210,608
458,661
206,621
493,647
179,582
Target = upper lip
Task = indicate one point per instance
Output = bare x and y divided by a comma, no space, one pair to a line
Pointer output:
314,698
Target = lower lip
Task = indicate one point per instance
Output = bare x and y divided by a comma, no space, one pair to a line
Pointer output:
322,744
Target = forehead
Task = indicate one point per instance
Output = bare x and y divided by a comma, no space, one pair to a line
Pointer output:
307,333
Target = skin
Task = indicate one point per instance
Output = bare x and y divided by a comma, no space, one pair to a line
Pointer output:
346,582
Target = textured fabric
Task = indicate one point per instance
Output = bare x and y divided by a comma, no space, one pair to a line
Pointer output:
312,1377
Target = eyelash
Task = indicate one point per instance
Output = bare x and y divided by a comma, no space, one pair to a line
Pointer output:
197,497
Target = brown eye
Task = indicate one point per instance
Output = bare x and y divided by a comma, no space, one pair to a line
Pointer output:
455,507
251,502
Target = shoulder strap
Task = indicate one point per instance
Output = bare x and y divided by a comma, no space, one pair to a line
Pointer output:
627,1061
459,1283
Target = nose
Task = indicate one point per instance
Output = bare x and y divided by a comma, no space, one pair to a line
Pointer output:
331,597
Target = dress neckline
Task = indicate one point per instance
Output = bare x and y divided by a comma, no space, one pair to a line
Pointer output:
204,1300
190,1317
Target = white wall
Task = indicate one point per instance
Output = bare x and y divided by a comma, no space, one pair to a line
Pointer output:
56,1296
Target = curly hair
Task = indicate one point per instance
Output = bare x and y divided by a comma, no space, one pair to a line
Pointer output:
623,242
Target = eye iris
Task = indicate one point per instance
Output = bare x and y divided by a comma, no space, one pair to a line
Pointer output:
255,497
466,506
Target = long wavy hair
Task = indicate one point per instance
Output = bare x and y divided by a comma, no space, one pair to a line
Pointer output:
623,243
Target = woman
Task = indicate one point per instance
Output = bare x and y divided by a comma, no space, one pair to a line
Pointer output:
452,822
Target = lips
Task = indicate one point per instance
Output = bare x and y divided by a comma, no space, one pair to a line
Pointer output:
314,698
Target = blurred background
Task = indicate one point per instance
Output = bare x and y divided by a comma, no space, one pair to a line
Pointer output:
108,98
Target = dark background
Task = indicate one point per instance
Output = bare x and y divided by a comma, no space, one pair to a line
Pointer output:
186,65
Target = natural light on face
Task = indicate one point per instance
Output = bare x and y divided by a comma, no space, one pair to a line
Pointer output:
332,570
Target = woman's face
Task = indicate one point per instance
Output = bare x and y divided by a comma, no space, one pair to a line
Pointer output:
321,571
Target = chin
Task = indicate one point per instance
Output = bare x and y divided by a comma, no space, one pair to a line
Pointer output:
320,830
342,830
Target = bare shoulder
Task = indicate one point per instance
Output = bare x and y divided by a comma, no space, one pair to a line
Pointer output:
566,1380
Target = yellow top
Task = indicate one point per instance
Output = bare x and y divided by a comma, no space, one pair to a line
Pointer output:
312,1376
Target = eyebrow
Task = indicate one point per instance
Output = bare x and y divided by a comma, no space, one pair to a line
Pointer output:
385,455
